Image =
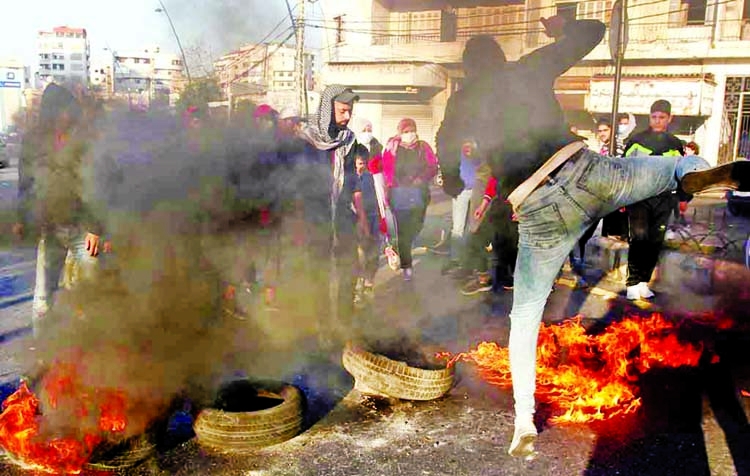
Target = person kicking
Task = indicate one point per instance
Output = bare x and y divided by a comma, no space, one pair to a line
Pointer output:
557,186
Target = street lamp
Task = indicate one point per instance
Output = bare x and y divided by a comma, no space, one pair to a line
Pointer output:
163,9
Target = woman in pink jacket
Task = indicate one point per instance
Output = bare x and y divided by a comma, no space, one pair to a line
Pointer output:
408,165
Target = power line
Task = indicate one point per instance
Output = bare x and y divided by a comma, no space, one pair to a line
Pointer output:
244,54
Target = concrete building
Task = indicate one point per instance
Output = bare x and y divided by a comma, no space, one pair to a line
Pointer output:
63,56
403,58
14,79
148,74
264,72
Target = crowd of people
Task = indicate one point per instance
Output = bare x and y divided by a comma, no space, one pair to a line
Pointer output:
519,180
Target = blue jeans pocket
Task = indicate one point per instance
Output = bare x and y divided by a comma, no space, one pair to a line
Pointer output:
602,177
542,228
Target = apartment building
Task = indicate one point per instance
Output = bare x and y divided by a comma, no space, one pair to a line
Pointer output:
264,72
403,58
149,72
63,56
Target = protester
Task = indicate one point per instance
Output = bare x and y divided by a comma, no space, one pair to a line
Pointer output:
362,128
408,166
512,112
265,118
369,242
504,238
51,201
648,219
626,124
467,165
332,206
288,122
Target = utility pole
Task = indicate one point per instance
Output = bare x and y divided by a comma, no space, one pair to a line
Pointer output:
620,21
299,25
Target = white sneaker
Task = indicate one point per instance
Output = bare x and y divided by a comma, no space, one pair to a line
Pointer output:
644,290
524,436
634,292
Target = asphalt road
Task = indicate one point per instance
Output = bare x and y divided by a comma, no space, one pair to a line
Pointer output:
684,428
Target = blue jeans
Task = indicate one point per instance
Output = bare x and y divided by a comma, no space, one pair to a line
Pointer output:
551,221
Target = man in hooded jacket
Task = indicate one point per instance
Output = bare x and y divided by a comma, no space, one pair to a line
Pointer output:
514,114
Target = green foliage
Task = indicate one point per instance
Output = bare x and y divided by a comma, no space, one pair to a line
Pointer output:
199,93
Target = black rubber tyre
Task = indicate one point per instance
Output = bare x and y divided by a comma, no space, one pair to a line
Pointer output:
127,455
378,375
243,431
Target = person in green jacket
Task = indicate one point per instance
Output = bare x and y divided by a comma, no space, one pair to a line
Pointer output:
648,219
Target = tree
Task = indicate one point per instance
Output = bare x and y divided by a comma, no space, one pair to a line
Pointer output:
199,93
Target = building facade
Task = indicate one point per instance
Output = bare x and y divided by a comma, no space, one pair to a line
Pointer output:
403,58
265,73
147,75
63,56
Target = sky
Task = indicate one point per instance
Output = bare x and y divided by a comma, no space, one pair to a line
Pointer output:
209,27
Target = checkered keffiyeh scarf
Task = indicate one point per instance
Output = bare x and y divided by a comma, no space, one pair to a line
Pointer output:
322,134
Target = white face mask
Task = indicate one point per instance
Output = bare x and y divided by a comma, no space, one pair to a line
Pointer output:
409,137
364,138
622,129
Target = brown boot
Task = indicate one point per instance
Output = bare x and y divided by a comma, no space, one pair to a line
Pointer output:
734,175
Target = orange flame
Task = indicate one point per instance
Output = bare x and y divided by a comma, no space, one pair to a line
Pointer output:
590,377
21,420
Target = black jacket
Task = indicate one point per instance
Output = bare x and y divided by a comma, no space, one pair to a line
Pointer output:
649,142
512,111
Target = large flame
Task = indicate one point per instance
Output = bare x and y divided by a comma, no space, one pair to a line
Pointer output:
97,413
591,377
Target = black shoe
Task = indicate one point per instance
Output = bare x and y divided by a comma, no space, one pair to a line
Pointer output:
734,175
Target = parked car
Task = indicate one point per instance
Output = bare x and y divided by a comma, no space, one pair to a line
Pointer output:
738,203
4,157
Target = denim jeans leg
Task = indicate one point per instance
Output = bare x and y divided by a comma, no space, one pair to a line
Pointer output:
535,273
460,217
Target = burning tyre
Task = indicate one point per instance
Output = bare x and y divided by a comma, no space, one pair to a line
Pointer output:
377,374
246,417
122,456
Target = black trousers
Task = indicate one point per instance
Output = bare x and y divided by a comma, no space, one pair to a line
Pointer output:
648,223
410,222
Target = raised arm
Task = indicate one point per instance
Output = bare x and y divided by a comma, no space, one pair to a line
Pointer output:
573,41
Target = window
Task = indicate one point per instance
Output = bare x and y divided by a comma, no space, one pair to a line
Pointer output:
448,25
58,67
339,22
746,10
568,11
76,67
696,12
176,63
76,56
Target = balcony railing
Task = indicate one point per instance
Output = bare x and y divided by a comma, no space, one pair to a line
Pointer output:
643,33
